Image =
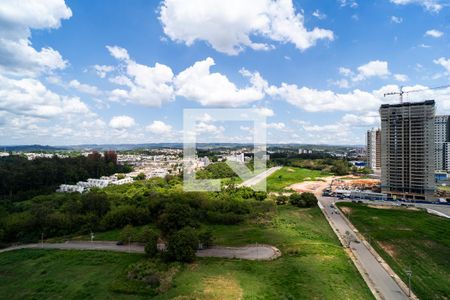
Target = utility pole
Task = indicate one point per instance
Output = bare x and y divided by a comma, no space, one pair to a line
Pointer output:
409,273
42,240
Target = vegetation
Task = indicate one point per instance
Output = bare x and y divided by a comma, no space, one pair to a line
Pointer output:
182,245
23,178
287,176
409,239
303,199
313,266
158,202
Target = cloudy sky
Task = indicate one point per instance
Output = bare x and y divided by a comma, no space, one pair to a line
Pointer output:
119,71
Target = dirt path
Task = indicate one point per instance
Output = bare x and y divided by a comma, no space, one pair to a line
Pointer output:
250,252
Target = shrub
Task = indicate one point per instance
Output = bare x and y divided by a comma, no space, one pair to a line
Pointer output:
295,199
182,245
303,200
127,234
224,218
310,199
124,215
175,217
150,238
281,200
205,238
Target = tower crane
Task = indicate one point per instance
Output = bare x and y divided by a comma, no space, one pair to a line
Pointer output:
402,92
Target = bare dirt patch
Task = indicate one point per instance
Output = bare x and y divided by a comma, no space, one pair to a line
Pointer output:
221,288
389,248
346,210
380,206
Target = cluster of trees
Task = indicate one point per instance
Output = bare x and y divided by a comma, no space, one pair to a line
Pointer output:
160,202
299,200
22,178
216,171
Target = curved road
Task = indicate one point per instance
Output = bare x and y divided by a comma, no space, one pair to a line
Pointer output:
250,252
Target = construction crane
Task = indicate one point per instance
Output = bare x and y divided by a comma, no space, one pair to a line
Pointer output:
402,92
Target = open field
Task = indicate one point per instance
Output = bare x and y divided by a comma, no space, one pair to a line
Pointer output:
290,175
313,266
408,239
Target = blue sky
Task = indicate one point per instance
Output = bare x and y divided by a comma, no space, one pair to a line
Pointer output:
85,72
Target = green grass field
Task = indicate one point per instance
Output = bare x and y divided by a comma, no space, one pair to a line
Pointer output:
409,239
313,266
290,175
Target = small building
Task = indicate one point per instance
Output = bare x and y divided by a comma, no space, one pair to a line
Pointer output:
70,188
122,181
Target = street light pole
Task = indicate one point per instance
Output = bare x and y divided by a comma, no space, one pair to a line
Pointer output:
409,273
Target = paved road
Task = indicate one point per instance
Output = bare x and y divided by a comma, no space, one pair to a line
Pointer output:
382,281
256,179
442,209
251,252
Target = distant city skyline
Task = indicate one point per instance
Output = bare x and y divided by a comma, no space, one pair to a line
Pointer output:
82,72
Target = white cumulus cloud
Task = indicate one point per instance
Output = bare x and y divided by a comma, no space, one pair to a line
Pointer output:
229,26
17,19
434,33
430,5
150,86
159,127
122,122
444,62
197,83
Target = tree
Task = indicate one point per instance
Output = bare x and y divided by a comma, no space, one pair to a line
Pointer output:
295,199
281,200
303,200
310,199
150,238
127,234
140,176
95,202
205,238
182,245
340,167
174,217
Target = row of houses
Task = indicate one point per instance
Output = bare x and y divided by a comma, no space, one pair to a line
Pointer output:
83,186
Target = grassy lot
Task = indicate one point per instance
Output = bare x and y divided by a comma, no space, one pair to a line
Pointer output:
47,274
290,175
313,266
409,239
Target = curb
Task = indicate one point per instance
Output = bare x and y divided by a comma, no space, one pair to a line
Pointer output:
349,252
383,263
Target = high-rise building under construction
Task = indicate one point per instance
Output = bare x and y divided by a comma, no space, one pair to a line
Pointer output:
407,150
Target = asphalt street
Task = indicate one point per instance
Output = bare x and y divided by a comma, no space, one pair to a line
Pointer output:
250,252
383,283
256,179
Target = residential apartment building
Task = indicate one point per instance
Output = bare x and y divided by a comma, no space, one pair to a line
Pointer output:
407,150
442,143
373,141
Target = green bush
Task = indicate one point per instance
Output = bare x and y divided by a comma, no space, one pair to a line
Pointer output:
174,217
281,200
205,238
182,245
303,200
150,238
